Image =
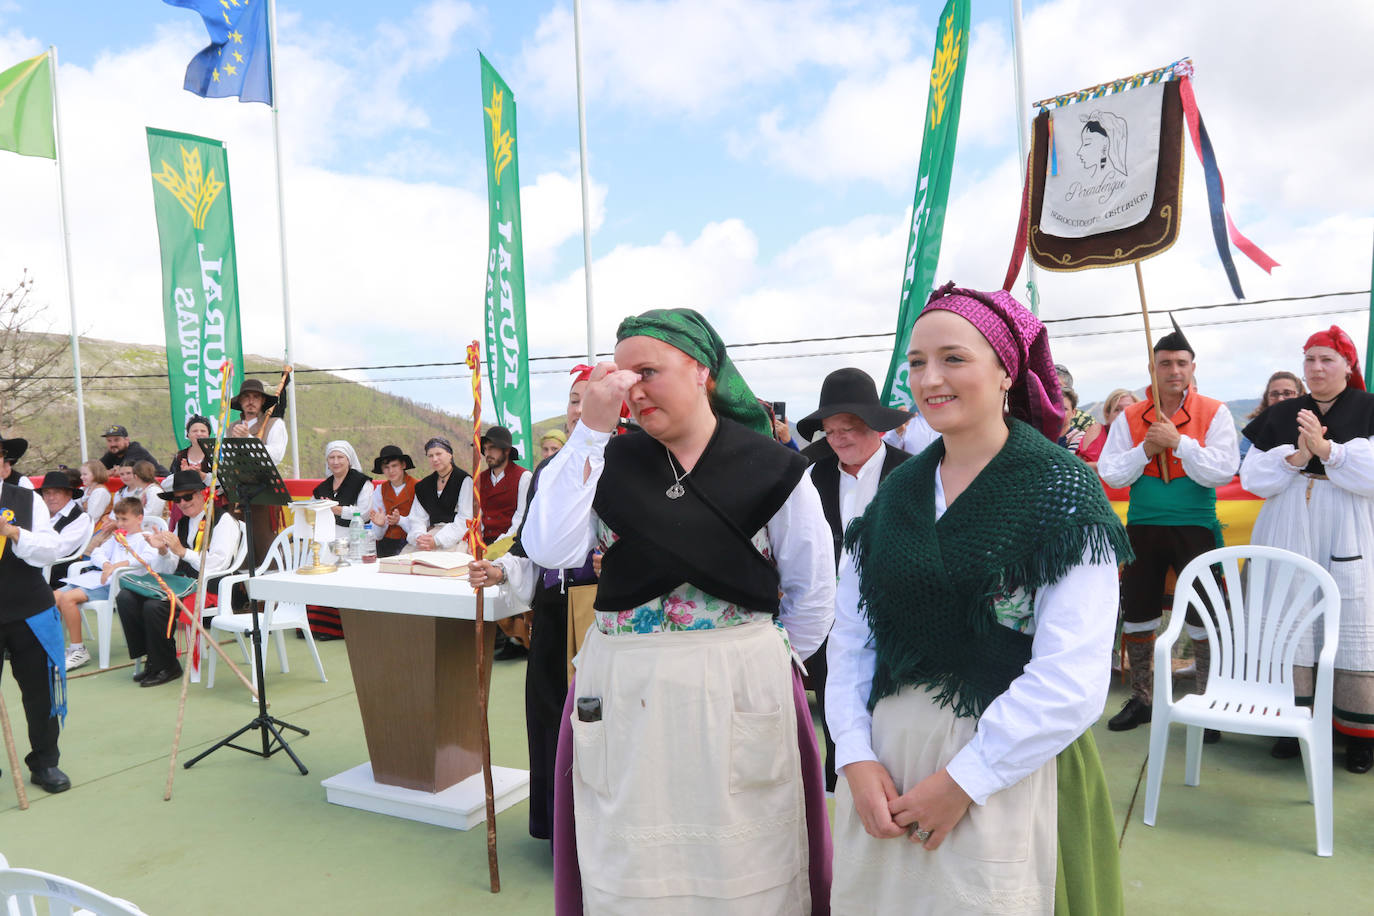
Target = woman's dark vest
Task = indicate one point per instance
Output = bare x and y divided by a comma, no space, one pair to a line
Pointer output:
345,495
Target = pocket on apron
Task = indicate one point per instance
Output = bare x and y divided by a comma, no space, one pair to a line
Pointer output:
589,754
1349,573
758,757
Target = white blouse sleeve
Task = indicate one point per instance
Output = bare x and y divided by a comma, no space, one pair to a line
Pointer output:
416,523
38,545
804,551
1351,466
517,588
276,441
851,657
1058,695
560,526
1214,464
1268,473
1121,463
72,538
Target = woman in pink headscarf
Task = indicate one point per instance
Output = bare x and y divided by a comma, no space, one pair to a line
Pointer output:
973,624
1312,460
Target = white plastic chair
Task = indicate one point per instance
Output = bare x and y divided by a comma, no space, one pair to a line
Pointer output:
22,888
47,570
212,580
286,554
104,610
1266,612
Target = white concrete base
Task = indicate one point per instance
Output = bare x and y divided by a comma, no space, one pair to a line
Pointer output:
460,807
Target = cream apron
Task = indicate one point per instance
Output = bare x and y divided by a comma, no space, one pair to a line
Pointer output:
687,795
1000,858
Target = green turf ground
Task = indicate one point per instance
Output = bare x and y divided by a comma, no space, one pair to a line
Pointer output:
243,834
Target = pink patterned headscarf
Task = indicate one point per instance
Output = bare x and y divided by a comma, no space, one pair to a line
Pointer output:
1022,346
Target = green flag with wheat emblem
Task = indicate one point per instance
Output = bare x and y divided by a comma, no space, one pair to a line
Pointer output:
508,367
200,288
932,189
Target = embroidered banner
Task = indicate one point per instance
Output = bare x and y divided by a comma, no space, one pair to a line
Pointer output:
1103,161
1095,202
508,369
200,289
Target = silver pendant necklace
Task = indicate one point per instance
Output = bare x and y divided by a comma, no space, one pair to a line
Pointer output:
676,490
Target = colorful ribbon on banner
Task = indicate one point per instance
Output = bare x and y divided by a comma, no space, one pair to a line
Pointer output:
1177,70
1222,224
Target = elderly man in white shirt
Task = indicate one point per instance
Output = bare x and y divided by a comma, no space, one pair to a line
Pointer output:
856,425
72,526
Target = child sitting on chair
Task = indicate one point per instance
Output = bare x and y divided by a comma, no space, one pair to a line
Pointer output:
94,584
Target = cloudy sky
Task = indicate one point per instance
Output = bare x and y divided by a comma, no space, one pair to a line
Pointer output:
753,160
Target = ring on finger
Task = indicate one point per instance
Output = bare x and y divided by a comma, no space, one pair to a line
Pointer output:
922,835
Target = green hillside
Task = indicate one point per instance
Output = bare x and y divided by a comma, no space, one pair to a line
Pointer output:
330,408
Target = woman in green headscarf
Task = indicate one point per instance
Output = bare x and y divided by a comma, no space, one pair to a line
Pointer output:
694,778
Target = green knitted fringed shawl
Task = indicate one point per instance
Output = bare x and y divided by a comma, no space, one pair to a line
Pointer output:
927,587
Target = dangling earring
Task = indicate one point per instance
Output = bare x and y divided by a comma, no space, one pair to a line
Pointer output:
1006,401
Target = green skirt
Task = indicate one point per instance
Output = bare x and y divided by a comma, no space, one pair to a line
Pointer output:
1088,873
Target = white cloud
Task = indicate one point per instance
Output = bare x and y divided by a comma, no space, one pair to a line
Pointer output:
371,256
698,56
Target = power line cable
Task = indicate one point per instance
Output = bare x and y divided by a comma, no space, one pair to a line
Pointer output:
768,343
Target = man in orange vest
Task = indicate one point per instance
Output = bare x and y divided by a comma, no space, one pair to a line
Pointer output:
1169,523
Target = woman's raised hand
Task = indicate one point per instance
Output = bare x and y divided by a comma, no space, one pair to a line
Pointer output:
607,389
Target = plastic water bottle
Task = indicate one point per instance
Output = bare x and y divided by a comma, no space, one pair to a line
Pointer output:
357,535
369,545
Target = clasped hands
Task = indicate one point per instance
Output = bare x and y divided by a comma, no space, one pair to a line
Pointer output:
1161,436
165,541
1312,441
934,804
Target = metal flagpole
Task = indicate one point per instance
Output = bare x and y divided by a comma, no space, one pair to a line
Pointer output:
1369,338
582,155
67,253
1022,128
281,233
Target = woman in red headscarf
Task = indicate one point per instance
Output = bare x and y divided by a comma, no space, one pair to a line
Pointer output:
1313,462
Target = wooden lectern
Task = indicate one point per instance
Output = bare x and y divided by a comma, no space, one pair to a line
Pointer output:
412,649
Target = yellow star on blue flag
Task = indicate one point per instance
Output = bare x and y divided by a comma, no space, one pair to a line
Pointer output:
238,61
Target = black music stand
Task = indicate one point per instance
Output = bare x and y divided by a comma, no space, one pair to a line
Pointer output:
249,478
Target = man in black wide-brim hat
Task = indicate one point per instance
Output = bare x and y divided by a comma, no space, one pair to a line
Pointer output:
854,420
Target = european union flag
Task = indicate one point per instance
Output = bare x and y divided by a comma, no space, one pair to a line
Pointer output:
238,61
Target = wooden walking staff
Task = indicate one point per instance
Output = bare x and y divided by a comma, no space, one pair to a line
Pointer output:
1162,457
478,549
13,755
123,539
203,542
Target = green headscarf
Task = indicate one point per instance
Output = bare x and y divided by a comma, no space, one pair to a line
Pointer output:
686,330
